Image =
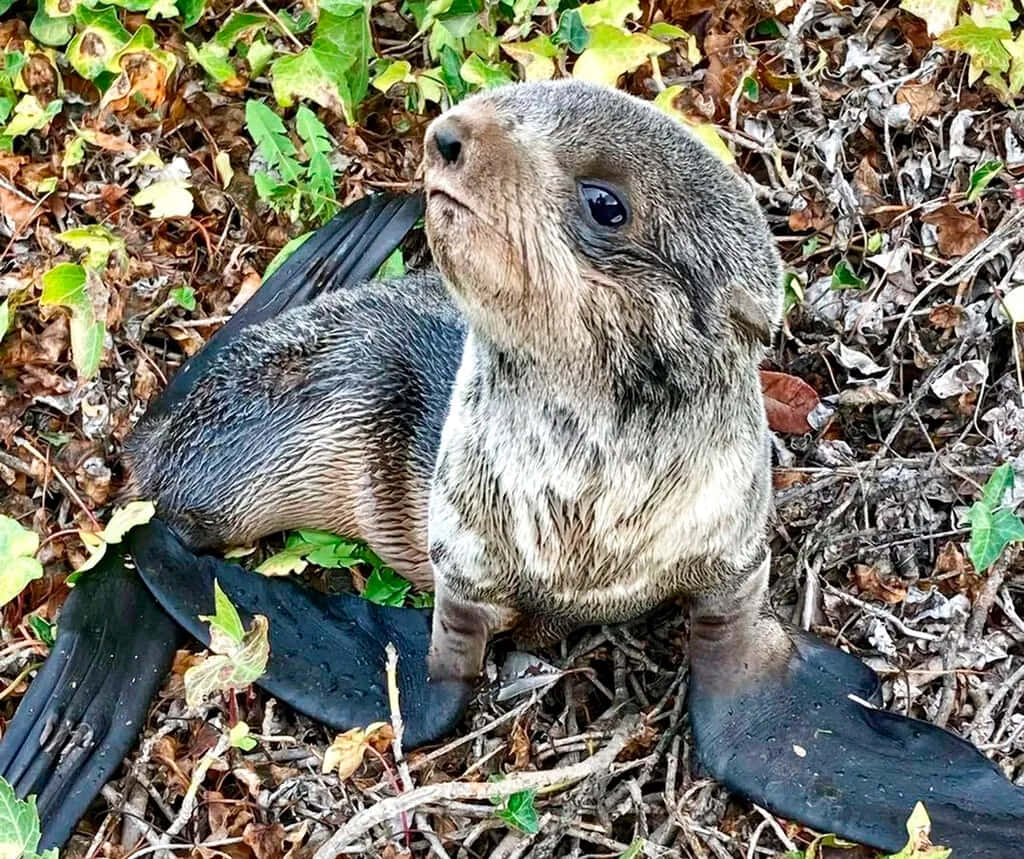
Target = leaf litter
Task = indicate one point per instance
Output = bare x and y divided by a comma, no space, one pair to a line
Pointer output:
150,169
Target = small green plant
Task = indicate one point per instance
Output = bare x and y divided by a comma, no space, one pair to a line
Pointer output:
19,826
302,190
993,526
517,811
18,564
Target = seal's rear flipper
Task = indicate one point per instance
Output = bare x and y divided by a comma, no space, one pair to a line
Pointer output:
87,705
790,738
346,251
327,653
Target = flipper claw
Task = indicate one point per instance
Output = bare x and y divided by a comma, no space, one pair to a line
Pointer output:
795,741
88,703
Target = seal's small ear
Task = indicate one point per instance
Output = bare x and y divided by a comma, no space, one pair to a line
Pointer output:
748,317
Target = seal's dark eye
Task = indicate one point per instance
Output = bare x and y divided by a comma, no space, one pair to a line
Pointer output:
604,206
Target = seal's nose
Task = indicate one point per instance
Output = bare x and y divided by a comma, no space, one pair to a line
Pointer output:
448,139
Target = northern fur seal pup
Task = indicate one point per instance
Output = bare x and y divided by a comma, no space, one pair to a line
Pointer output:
587,400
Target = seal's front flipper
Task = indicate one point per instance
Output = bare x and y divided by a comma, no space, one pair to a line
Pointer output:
346,251
88,703
327,653
774,720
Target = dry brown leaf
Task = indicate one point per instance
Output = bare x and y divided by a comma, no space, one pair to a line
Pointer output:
871,580
250,283
946,316
16,211
519,745
788,401
812,217
957,233
346,753
783,478
923,99
142,81
265,840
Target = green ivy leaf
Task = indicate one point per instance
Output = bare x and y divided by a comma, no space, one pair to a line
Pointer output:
611,12
45,631
191,11
185,296
49,29
991,533
571,31
19,824
18,565
30,115
919,845
65,285
793,292
239,737
519,812
998,484
981,178
386,587
480,73
393,266
226,629
612,53
393,73
844,277
334,70
233,665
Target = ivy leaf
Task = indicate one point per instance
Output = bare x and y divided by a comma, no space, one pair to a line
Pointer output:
483,74
994,13
18,565
634,850
519,812
52,30
939,15
844,277
185,296
1015,47
393,267
612,53
394,73
239,737
984,45
333,71
291,559
121,522
571,31
98,242
100,36
191,11
919,845
19,824
386,587
991,533
30,115
268,132
536,57
168,198
45,631
981,178
611,12
705,132
997,486
239,657
65,285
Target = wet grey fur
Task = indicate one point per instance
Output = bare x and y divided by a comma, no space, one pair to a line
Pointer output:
604,445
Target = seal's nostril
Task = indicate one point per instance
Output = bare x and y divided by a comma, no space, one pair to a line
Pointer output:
446,139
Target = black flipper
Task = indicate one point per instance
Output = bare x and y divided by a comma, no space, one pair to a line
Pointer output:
795,743
85,708
346,251
327,656
88,703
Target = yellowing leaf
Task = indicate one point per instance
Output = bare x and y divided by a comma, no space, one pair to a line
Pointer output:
993,13
703,131
919,845
127,517
535,56
939,15
984,45
98,241
239,658
1015,48
67,285
222,164
346,753
611,12
1013,303
239,737
18,565
612,53
395,73
169,198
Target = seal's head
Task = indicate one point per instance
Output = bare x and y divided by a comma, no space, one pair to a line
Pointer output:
572,220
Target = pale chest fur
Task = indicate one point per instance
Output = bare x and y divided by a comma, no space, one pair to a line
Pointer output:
548,508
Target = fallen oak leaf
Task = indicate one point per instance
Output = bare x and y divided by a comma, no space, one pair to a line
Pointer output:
788,402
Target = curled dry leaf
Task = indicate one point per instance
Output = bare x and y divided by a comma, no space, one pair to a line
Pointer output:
346,753
922,98
788,402
870,580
